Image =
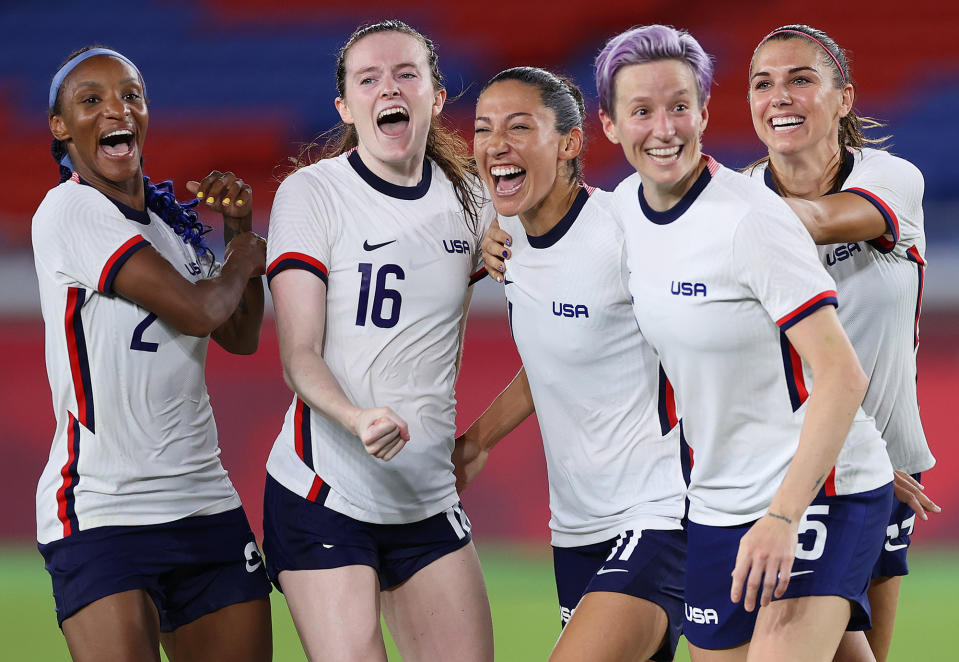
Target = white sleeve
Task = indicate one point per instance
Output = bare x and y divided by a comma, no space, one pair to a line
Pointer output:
82,237
299,236
895,187
780,264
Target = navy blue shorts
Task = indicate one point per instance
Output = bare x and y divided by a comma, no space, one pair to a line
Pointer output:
299,534
648,564
892,559
839,540
190,567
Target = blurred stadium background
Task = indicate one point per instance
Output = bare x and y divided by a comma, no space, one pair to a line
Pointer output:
240,84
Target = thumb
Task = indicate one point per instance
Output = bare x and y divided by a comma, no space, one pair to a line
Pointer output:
192,186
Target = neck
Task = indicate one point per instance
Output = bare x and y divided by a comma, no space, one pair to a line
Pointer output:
808,174
130,192
543,216
408,172
662,197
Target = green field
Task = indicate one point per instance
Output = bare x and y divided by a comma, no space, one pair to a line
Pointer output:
525,615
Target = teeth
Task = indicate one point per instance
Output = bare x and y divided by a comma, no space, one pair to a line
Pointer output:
787,121
664,151
119,132
391,111
502,171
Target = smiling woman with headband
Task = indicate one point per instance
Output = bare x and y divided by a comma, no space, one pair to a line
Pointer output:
140,527
863,206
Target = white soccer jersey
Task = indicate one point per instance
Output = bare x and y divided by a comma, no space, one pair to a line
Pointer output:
716,280
135,441
880,285
596,384
397,262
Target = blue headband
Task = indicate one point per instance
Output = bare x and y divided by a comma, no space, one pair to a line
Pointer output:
65,70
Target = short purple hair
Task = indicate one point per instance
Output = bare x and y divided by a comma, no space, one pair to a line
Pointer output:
651,43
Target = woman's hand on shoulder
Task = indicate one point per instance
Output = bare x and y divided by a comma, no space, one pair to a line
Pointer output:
495,246
226,193
382,432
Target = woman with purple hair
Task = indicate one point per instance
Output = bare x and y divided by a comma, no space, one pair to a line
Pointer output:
790,486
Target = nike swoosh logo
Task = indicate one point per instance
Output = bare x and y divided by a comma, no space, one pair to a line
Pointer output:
892,548
507,282
367,246
800,572
603,571
325,546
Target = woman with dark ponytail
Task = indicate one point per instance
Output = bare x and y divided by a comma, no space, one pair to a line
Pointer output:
863,206
372,252
616,489
140,527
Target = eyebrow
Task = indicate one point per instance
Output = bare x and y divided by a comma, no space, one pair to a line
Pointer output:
791,71
508,117
93,83
377,68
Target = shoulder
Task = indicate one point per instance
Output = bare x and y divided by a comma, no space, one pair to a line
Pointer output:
880,165
73,202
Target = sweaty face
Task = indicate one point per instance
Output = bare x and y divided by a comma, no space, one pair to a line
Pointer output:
103,120
794,104
389,98
658,121
518,151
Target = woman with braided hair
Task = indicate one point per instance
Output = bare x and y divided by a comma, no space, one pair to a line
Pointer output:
139,525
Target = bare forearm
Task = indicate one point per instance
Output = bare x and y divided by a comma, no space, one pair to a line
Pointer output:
510,408
832,405
307,373
241,333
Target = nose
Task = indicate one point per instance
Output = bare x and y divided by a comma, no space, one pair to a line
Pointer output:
496,143
116,106
781,96
389,88
663,127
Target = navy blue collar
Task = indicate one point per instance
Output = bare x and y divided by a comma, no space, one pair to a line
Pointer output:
845,168
560,229
141,217
677,210
387,188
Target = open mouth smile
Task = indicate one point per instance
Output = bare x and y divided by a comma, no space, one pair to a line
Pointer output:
665,154
118,144
507,179
787,122
393,121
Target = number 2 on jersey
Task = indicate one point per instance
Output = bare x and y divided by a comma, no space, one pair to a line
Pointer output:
138,343
381,294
